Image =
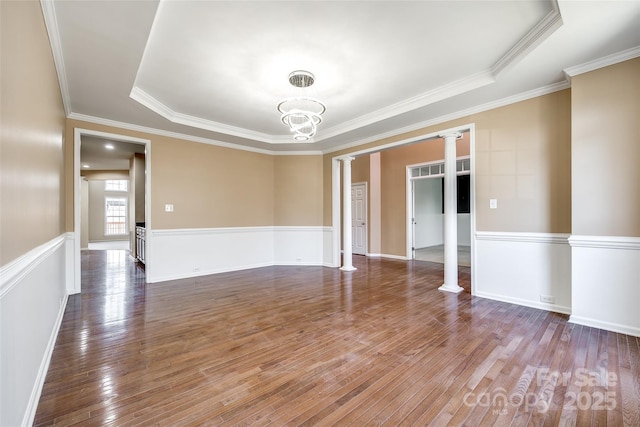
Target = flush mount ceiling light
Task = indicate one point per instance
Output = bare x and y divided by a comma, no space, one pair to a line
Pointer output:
302,114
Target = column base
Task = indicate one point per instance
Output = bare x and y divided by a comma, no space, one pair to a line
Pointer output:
456,290
344,268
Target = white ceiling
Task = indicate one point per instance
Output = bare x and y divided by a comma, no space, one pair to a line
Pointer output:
215,70
95,154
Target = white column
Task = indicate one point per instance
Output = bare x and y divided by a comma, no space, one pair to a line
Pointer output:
347,249
450,215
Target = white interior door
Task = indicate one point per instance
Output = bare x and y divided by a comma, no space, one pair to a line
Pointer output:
359,218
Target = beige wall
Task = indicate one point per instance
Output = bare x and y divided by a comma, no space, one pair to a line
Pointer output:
32,137
606,151
212,186
523,159
393,172
298,190
360,169
209,186
137,172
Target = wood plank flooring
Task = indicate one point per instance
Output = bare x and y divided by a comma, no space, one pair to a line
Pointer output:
317,346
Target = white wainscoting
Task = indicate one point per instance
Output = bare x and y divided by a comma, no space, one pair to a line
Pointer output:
33,296
183,253
521,267
299,245
606,283
328,252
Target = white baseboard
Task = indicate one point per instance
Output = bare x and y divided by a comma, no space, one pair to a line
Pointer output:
527,303
389,256
608,326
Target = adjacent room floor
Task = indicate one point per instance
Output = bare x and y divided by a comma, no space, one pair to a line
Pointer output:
436,254
318,346
111,245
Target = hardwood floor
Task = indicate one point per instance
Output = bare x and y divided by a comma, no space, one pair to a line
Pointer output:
317,346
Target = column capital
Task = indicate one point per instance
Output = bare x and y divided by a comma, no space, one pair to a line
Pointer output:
456,135
347,159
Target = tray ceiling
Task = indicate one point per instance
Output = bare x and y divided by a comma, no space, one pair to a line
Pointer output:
215,70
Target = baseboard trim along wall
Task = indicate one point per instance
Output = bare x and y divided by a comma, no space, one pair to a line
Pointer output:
33,297
606,282
183,253
530,269
388,256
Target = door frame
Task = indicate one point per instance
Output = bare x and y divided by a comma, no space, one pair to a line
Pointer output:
336,225
74,283
411,182
366,217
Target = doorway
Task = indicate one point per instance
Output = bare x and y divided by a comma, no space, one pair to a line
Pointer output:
427,207
80,187
393,245
359,227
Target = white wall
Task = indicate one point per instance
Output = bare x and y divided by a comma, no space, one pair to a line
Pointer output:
32,303
429,227
429,221
84,214
464,229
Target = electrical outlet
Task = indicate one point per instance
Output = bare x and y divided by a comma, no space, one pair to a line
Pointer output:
168,208
548,299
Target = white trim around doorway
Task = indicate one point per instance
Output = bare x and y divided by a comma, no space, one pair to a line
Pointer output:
336,202
74,281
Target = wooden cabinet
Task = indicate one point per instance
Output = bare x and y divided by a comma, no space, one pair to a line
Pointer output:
140,243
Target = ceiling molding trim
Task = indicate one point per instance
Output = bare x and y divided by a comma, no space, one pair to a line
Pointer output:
51,23
547,26
551,22
158,107
154,131
545,90
605,61
440,93
297,153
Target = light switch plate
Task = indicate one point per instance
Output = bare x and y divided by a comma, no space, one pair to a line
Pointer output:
168,208
493,203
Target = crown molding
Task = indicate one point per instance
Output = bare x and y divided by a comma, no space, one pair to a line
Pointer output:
605,61
551,22
158,107
51,23
440,93
545,90
547,26
154,131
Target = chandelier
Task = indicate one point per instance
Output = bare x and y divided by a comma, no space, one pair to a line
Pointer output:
302,114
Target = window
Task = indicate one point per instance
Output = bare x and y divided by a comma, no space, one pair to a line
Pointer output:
115,216
116,185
